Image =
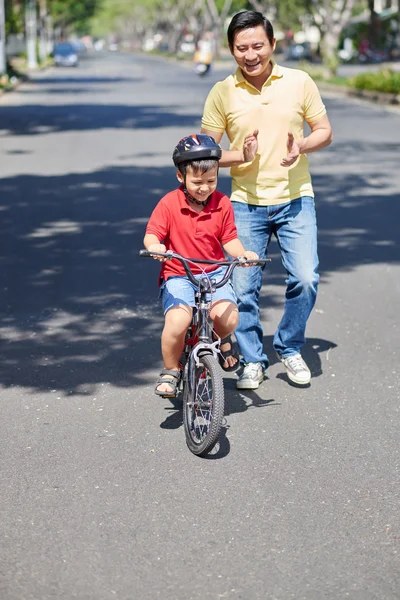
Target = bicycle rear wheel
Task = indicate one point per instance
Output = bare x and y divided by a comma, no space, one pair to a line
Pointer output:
203,405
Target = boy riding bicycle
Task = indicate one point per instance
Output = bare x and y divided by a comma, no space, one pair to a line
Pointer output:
195,221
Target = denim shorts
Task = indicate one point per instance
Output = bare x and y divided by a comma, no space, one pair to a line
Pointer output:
180,291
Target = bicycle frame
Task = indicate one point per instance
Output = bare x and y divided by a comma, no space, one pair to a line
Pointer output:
202,322
202,381
205,285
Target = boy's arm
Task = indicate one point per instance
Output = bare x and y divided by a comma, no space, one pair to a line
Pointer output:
235,249
152,244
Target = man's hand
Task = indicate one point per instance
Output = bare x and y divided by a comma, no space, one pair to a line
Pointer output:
157,248
293,151
250,255
250,146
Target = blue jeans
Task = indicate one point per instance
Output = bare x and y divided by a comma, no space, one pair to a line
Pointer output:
295,227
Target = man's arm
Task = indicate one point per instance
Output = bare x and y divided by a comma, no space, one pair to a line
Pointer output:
320,137
230,158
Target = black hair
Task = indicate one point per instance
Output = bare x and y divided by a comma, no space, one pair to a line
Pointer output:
247,19
198,166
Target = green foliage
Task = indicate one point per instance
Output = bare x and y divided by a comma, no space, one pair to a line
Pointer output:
383,81
290,13
110,13
14,17
72,13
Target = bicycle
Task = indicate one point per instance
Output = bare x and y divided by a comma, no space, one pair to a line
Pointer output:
202,381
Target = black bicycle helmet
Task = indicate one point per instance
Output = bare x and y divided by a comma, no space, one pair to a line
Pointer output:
196,146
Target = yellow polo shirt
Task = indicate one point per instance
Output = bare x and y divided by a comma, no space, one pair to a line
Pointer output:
287,99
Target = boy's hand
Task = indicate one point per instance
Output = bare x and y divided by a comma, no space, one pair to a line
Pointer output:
249,255
157,248
250,146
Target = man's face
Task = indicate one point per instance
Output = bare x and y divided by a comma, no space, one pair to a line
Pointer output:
200,185
252,52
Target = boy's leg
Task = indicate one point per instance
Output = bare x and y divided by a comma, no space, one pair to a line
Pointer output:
225,316
178,299
177,321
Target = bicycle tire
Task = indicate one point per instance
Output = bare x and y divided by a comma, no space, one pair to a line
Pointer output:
203,405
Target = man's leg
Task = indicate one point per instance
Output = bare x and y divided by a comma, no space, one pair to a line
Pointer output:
253,232
296,231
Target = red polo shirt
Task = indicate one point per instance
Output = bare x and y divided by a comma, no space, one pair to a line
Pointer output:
190,233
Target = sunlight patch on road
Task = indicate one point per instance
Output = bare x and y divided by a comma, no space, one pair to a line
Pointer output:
55,228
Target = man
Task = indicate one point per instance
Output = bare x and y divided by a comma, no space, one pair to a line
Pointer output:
262,108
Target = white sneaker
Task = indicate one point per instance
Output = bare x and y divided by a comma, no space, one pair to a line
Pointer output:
296,369
252,376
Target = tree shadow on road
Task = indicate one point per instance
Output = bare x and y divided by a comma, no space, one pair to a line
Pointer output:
79,307
38,119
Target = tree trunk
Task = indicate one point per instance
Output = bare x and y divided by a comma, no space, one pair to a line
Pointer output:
373,24
329,46
43,43
330,17
3,66
31,34
218,20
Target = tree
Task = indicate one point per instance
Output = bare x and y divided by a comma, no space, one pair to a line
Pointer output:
14,16
70,14
331,16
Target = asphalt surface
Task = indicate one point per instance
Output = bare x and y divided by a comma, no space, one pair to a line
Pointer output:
100,498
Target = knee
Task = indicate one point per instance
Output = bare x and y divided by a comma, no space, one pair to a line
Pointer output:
225,315
178,319
305,281
232,320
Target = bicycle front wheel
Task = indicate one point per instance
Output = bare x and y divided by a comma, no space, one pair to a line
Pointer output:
203,405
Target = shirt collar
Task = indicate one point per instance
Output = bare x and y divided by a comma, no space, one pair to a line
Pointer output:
276,73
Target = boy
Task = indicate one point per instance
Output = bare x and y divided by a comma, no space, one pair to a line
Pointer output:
196,221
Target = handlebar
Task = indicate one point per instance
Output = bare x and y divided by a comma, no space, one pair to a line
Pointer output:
231,264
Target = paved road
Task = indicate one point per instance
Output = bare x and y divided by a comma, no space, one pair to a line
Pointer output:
100,498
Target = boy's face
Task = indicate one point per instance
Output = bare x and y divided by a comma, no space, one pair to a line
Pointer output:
200,185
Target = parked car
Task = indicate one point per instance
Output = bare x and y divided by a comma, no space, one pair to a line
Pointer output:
299,52
65,55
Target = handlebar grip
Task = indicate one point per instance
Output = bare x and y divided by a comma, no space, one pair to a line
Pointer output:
168,254
260,262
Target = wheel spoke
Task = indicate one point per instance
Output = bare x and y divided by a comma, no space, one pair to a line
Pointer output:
204,406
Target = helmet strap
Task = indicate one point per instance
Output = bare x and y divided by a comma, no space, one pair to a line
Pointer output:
188,196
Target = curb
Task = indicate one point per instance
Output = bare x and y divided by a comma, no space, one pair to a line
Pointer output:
380,97
370,95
